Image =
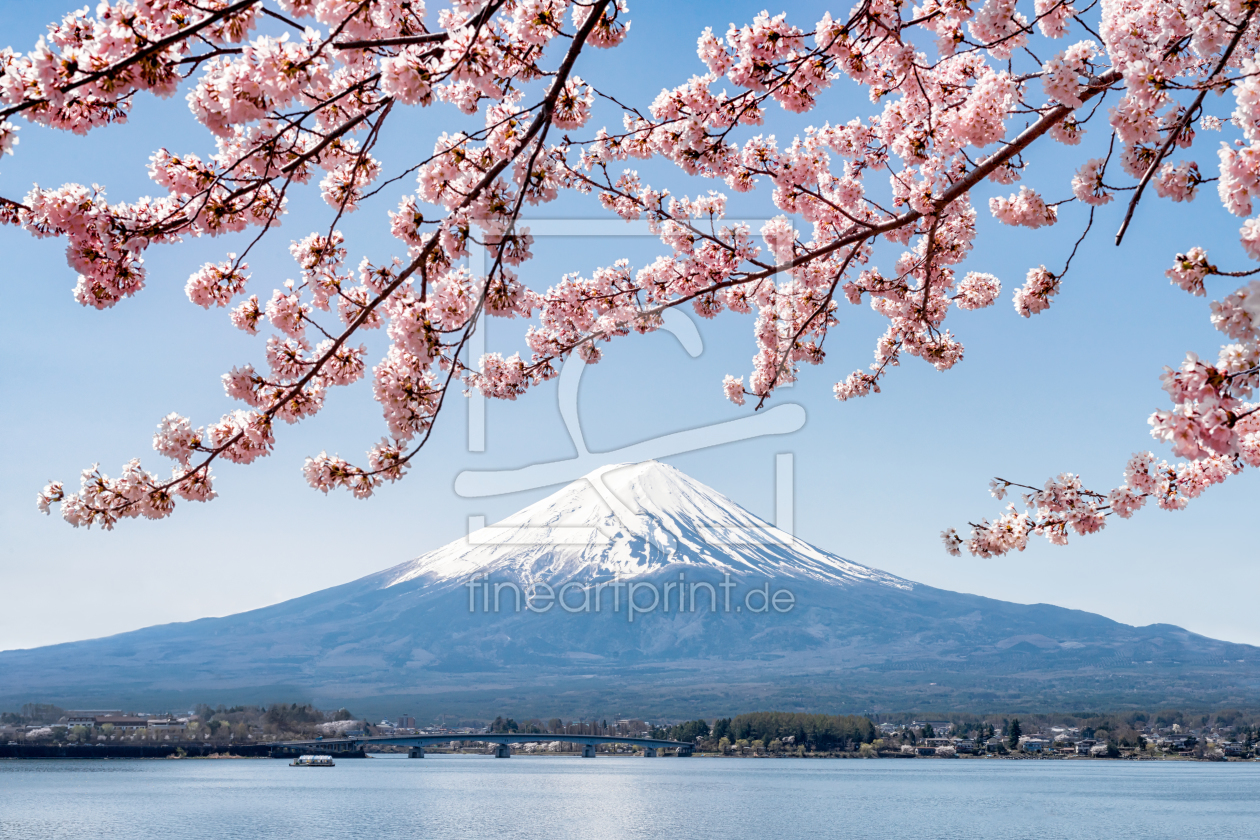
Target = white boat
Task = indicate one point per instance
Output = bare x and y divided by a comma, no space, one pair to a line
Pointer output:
312,761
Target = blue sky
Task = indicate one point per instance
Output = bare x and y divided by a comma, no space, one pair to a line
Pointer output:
876,479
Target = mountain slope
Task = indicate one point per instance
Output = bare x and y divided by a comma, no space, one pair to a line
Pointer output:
425,635
633,520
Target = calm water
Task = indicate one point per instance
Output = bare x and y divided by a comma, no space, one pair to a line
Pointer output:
560,797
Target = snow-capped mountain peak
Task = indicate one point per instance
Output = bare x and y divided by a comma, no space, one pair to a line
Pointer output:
632,520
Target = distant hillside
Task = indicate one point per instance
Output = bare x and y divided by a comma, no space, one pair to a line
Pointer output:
854,639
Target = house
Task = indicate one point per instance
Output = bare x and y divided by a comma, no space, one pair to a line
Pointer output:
967,745
994,744
937,742
1233,748
1084,745
1033,744
168,726
86,717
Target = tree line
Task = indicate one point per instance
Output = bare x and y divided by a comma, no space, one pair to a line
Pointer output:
814,732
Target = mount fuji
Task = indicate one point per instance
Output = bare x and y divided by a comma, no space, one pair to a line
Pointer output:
533,616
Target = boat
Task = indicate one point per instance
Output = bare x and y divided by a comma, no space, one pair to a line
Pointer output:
312,761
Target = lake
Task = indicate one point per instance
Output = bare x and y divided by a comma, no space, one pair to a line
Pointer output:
467,796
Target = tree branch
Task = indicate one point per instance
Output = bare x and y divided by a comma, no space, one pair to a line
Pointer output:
1181,125
155,47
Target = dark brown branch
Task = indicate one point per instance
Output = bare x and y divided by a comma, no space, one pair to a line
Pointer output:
434,38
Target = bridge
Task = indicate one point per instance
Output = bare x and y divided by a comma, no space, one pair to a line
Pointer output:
503,742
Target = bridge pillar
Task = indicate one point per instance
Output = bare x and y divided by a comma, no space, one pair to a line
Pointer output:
649,752
415,752
502,751
588,751
684,752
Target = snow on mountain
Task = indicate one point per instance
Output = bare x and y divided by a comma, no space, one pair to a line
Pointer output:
632,520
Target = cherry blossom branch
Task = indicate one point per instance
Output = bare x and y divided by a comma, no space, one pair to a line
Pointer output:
155,496
1176,130
282,111
433,38
140,55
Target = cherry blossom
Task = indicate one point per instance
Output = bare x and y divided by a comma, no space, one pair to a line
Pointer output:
876,208
1034,296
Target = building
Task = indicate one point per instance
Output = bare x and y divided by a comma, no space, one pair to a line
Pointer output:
86,717
1084,745
1033,744
967,745
168,727
406,722
123,724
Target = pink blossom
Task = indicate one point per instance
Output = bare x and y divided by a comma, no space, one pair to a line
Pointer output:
1179,182
1027,209
8,137
1189,270
1053,17
216,284
998,26
977,290
1062,73
1236,315
780,237
1250,237
1087,184
573,106
1034,296
877,210
246,315
176,438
